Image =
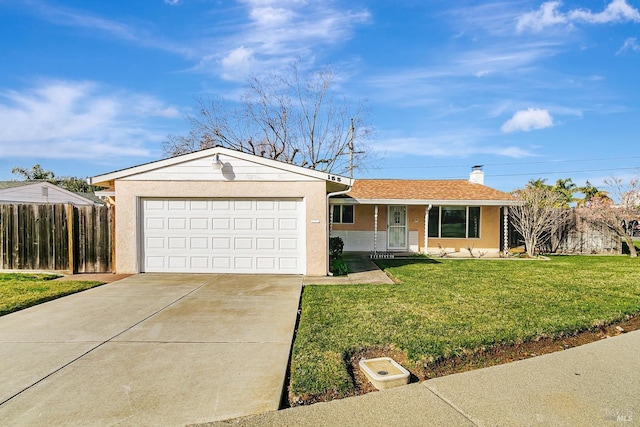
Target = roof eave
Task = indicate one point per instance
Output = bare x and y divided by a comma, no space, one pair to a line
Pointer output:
123,173
469,202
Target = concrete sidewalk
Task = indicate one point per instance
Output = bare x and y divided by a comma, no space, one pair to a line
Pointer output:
595,384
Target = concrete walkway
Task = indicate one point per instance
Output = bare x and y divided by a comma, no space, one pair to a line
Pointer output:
596,384
361,270
152,349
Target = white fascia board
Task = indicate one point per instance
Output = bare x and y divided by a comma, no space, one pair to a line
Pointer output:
123,173
352,201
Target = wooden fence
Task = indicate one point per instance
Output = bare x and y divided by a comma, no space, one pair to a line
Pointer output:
69,238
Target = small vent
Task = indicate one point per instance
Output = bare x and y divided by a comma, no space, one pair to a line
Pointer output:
45,191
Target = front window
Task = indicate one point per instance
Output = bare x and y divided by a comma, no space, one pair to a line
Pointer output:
343,214
454,222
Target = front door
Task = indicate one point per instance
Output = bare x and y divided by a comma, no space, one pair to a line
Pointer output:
397,227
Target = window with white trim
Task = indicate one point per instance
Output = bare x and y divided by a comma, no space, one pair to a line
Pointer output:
454,222
343,214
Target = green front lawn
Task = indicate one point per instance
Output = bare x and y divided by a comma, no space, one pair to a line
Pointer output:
450,307
19,291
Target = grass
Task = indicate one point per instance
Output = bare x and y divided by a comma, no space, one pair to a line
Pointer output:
444,308
19,291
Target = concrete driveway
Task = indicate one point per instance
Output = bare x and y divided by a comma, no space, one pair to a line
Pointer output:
152,349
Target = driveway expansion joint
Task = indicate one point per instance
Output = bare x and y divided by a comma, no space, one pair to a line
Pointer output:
101,343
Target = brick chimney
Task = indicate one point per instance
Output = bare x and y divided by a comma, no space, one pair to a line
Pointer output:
477,175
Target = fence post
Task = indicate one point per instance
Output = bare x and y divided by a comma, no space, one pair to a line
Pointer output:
71,243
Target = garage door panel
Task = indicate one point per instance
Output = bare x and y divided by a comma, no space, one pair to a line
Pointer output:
288,244
287,224
154,223
265,224
177,205
196,243
222,263
199,223
265,243
199,205
176,262
177,224
199,263
155,242
155,262
265,205
243,243
221,243
288,263
220,235
243,263
223,224
243,224
177,243
242,205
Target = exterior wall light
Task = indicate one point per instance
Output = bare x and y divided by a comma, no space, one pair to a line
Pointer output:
217,163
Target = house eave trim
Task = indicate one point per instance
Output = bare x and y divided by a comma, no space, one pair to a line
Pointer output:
123,173
421,202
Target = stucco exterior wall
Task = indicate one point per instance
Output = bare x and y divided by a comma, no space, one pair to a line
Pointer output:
129,192
490,231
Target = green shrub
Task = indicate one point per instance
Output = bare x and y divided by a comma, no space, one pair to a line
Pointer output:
338,267
336,245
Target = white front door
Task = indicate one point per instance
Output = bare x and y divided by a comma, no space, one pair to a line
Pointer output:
223,236
397,227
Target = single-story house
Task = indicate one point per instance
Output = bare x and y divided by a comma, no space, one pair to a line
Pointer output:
423,216
41,192
223,211
220,210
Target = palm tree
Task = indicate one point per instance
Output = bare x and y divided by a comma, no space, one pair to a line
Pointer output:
566,188
538,183
590,193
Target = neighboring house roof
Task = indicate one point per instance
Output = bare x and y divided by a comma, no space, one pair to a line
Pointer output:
455,192
13,184
107,179
41,192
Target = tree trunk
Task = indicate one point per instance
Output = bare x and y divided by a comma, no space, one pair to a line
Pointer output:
530,245
632,248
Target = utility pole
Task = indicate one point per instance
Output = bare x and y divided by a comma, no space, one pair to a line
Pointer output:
352,131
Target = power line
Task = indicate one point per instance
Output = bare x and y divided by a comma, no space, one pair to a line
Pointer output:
519,163
531,174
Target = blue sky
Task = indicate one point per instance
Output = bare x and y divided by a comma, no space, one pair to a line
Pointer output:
529,89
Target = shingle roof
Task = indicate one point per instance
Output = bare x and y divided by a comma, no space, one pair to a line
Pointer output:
424,190
13,184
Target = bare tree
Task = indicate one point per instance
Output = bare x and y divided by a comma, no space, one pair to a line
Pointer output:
536,216
603,211
290,117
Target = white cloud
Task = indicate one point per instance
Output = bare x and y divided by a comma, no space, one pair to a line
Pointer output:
629,44
240,61
526,120
173,2
446,142
616,11
66,16
277,32
546,16
73,120
549,15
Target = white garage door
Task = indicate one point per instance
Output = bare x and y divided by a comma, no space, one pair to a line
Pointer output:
223,235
